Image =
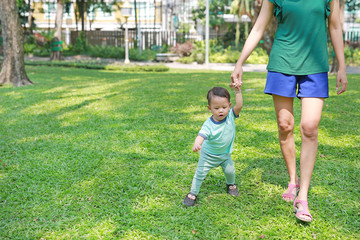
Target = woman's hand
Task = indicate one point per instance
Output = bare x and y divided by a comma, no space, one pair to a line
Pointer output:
341,78
236,76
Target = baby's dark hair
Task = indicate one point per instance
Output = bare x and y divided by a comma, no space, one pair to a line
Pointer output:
219,92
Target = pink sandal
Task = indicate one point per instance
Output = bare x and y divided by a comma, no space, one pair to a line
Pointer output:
289,193
302,212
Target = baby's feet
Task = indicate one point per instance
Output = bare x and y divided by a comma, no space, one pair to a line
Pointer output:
232,190
190,199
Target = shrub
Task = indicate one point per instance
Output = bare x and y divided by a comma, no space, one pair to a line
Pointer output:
138,68
81,45
218,58
226,56
184,50
165,48
119,53
89,65
220,55
30,39
186,60
199,56
258,56
356,57
29,48
106,52
146,55
42,52
348,55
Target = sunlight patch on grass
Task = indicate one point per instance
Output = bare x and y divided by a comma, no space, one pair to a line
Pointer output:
14,95
265,126
85,184
137,234
3,175
259,109
345,140
195,108
72,119
149,203
320,190
254,176
328,115
74,78
173,91
102,230
199,117
58,105
58,89
45,107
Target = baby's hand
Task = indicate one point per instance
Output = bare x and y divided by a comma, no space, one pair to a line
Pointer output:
236,85
196,147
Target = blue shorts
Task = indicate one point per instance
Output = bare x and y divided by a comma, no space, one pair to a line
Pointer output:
313,85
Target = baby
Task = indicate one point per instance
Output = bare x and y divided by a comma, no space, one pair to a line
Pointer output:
215,140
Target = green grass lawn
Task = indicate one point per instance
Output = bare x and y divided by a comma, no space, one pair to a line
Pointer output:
90,154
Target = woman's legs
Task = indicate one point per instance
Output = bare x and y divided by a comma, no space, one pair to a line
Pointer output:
285,120
311,109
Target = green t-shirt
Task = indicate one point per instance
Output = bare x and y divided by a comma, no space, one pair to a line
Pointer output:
219,136
300,45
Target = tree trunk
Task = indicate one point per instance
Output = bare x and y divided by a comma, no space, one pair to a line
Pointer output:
13,67
237,35
247,12
76,8
239,11
30,18
81,6
57,55
59,19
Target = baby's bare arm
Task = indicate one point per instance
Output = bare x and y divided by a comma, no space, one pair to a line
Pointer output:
198,142
238,97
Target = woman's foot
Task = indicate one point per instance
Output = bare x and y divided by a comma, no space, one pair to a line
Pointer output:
291,192
301,210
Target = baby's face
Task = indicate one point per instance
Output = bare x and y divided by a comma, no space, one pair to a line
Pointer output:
219,107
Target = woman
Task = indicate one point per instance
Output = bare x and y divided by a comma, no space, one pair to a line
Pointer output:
298,59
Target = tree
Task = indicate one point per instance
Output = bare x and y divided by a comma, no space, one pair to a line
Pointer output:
57,55
89,6
216,9
30,18
25,14
352,7
13,66
59,18
240,8
269,34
